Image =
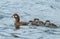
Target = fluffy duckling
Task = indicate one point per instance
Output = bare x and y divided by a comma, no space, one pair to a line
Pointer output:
36,22
32,22
18,22
49,24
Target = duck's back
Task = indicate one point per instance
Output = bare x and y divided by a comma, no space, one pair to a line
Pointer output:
24,23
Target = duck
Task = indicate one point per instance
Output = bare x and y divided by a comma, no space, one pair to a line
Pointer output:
49,24
36,22
18,23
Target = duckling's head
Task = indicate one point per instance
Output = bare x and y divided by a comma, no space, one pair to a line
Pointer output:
47,21
30,21
36,19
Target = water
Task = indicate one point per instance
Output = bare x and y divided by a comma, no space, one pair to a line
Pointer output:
28,10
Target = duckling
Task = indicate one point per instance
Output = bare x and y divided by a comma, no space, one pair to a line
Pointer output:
32,22
18,22
36,22
49,24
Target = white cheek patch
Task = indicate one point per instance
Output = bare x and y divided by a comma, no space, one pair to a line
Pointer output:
15,16
47,22
36,20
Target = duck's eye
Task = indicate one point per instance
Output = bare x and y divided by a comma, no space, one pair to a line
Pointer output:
15,16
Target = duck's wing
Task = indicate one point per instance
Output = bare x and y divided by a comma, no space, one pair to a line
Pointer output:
24,23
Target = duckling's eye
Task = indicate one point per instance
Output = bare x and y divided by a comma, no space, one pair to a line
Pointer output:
15,16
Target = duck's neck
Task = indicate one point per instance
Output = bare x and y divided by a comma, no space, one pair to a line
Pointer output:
17,20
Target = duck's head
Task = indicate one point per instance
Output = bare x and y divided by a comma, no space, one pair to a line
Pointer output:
16,16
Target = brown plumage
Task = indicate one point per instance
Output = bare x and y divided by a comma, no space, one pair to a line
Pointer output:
18,22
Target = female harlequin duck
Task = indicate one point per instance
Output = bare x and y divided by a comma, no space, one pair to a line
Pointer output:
36,22
18,22
49,24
